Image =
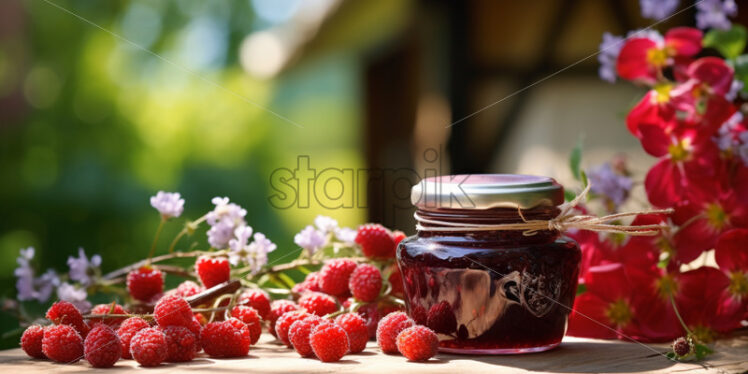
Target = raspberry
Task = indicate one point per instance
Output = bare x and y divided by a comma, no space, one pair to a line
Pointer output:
102,347
329,342
108,309
441,318
62,343
333,278
355,327
145,283
188,288
212,270
398,236
370,314
417,343
376,241
298,334
682,347
256,299
396,281
65,313
388,329
148,347
127,330
225,339
196,327
181,343
310,283
31,341
418,313
284,323
365,282
251,318
318,303
173,310
279,307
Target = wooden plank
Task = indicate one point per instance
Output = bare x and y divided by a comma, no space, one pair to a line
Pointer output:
573,356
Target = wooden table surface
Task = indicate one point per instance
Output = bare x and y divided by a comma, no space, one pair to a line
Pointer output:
573,356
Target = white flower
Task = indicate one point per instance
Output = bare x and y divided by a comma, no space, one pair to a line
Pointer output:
255,254
81,269
169,204
310,239
346,235
238,245
76,296
325,224
224,219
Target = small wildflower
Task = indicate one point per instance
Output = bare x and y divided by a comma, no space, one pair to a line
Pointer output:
607,182
346,235
169,204
658,9
325,224
224,219
238,245
81,269
76,296
609,49
715,13
735,87
310,239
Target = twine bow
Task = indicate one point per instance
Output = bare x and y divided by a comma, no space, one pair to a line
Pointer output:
565,220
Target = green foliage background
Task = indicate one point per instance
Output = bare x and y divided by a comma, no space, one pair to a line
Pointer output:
103,125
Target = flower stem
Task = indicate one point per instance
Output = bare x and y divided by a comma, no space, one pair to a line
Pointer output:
176,239
155,239
677,314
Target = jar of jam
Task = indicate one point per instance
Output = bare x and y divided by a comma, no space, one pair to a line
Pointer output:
483,290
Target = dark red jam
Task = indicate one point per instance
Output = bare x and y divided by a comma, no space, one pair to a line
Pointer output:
490,292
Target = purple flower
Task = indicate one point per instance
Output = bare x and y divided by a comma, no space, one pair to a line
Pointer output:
258,252
46,284
238,245
609,50
735,87
658,9
76,296
310,239
325,224
81,269
224,219
346,235
25,275
727,138
715,13
743,147
608,183
169,204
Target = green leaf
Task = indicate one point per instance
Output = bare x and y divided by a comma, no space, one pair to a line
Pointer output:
740,64
582,288
575,159
569,195
730,43
700,351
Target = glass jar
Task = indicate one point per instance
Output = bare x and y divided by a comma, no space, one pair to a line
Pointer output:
489,292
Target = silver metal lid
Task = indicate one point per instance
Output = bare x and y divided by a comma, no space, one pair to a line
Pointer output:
485,191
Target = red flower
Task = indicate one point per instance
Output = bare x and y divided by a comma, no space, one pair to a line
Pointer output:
643,58
705,303
684,157
655,108
732,257
710,210
700,101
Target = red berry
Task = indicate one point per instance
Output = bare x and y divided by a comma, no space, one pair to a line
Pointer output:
388,329
396,281
299,333
148,347
682,347
398,236
417,343
251,318
108,309
145,283
188,288
333,278
226,339
173,310
212,270
31,341
418,313
127,330
62,343
329,342
365,282
355,327
278,308
370,314
318,303
376,241
310,283
181,342
284,323
441,318
257,299
102,347
65,313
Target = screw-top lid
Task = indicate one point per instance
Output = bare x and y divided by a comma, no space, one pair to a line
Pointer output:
484,191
